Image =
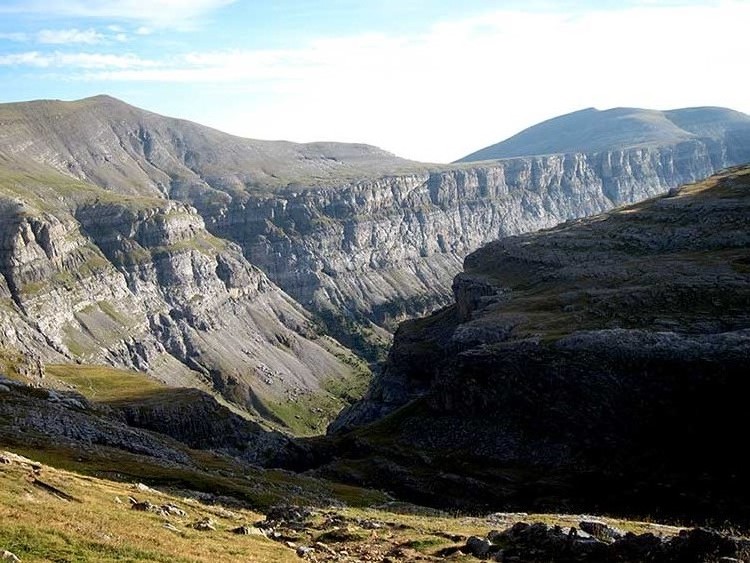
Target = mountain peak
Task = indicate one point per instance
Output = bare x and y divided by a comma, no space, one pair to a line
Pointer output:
593,130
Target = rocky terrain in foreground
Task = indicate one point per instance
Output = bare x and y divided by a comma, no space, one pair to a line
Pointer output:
598,365
103,519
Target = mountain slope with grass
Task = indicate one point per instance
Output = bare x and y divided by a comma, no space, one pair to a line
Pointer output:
97,277
247,268
591,130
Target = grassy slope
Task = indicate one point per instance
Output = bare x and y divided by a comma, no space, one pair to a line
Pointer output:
553,299
105,384
41,189
39,526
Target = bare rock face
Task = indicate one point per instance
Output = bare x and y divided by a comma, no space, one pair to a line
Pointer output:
357,236
147,287
600,363
388,249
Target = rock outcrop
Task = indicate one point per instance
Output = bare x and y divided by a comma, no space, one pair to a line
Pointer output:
386,250
599,365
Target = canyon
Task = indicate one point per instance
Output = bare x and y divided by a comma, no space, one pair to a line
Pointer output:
249,267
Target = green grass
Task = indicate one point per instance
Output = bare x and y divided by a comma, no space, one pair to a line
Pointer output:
36,543
37,526
309,414
44,189
104,384
204,243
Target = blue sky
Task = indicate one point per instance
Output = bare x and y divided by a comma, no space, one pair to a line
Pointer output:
427,79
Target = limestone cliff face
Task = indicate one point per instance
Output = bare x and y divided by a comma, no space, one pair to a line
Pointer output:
142,241
144,285
388,249
352,232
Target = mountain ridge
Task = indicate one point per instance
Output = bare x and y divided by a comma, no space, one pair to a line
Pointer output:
590,130
155,154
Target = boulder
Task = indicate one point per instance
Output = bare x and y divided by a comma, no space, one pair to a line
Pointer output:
601,531
247,531
304,551
205,525
478,547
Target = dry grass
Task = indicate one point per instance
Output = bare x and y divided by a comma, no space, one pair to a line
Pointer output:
38,526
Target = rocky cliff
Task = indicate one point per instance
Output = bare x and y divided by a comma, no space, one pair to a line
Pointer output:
388,249
140,283
358,236
149,242
599,365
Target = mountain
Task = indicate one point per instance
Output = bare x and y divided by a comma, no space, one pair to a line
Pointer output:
97,266
591,130
598,366
132,151
140,241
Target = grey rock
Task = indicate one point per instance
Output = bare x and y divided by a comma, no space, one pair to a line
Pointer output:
143,506
601,531
610,327
348,231
205,525
172,510
304,551
248,531
479,547
6,555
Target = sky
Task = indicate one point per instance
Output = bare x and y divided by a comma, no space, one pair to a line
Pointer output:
429,80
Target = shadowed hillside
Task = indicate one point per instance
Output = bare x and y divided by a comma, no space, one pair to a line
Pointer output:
599,365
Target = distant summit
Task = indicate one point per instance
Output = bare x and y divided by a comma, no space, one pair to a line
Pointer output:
592,130
127,149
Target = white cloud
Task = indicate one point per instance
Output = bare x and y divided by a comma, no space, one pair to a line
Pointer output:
159,13
79,61
470,83
30,58
69,36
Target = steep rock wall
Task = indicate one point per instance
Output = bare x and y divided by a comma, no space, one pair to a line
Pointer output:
600,364
142,284
389,248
